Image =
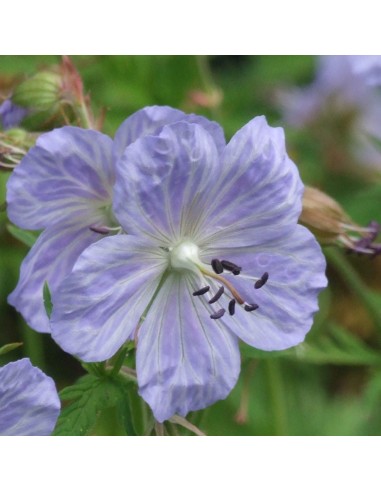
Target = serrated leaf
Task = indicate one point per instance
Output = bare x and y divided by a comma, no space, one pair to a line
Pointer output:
90,396
10,346
26,237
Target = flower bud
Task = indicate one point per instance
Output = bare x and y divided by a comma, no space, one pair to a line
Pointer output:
331,225
40,92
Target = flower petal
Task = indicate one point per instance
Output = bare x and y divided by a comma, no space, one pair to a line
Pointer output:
50,260
29,403
69,173
162,182
185,361
258,195
150,120
288,300
99,305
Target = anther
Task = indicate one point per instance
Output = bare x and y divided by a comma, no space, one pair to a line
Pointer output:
231,267
231,307
217,295
261,282
100,230
251,307
217,266
202,291
218,314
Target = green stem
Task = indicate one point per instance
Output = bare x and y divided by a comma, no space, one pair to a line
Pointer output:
277,395
349,274
84,115
33,346
206,77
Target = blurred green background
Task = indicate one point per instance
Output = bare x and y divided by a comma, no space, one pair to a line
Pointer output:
332,384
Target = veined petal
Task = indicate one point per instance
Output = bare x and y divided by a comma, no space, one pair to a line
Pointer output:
162,182
99,305
185,361
288,300
150,120
69,173
50,260
257,196
29,403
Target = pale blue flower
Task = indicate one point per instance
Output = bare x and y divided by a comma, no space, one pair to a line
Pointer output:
213,254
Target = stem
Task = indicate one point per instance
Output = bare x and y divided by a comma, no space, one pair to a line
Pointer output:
207,79
241,416
176,419
33,347
277,395
159,429
84,115
355,283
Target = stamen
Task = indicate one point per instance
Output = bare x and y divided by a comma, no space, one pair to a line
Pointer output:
218,314
251,307
217,266
261,282
100,230
227,284
232,307
202,291
217,295
231,267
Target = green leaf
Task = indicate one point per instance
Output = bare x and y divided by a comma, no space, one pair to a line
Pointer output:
336,346
89,397
47,299
26,237
10,346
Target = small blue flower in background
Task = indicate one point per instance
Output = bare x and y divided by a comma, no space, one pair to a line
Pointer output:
11,114
342,92
368,66
213,254
29,403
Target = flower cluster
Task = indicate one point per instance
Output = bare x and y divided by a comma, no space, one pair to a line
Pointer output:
169,237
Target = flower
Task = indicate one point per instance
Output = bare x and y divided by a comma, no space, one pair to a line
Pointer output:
343,104
29,403
368,66
213,254
11,114
64,186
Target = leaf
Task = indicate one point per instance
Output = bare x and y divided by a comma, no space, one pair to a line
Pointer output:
10,346
47,299
90,396
26,237
337,346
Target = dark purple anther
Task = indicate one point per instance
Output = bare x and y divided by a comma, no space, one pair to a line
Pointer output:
217,295
231,307
261,282
218,314
217,266
251,307
202,291
231,267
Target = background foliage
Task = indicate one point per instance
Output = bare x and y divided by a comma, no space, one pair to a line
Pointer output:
331,384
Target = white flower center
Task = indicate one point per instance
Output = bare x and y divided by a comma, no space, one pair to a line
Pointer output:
185,256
